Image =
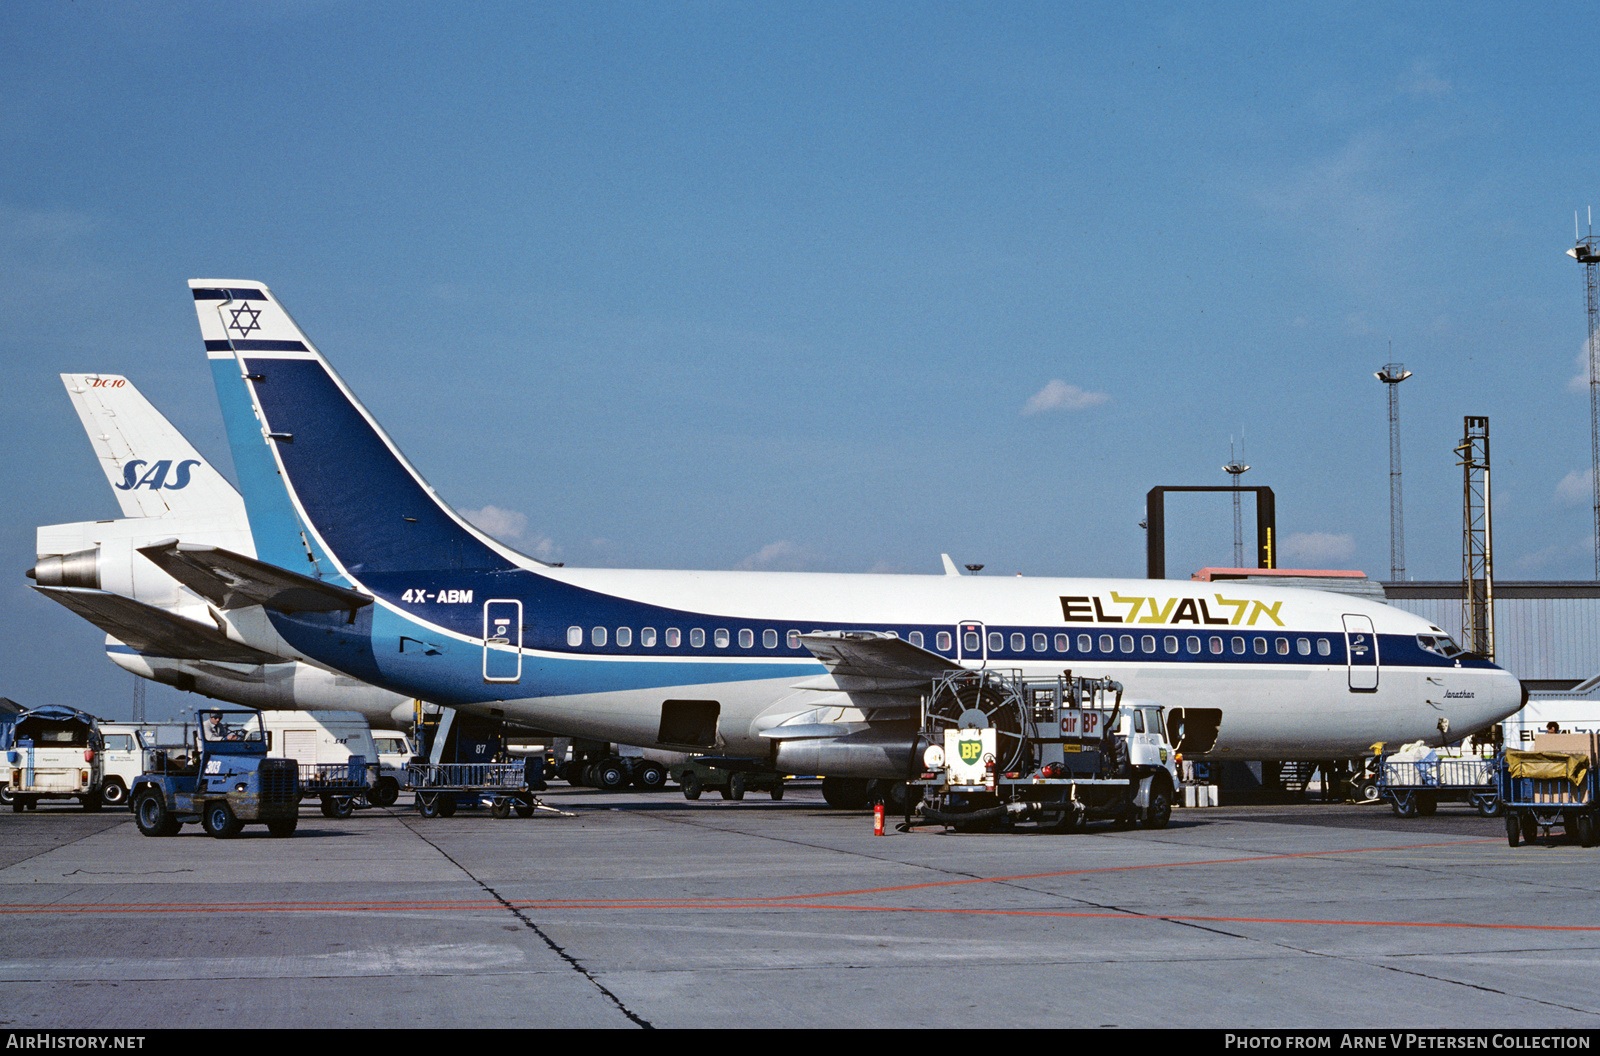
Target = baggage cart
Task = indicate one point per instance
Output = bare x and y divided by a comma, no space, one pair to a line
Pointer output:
1417,787
503,787
340,787
1539,789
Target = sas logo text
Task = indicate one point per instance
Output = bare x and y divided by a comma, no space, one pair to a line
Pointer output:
135,475
1198,611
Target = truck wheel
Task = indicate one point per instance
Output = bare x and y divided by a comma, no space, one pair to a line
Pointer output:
736,786
337,806
385,792
523,807
1530,828
152,817
114,793
1585,829
692,785
1159,812
218,820
282,826
1513,829
447,804
1364,790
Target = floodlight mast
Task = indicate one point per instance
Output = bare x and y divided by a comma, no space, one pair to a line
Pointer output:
1587,253
1392,375
1235,469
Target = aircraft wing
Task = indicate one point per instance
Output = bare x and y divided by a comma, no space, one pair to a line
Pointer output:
152,630
869,654
233,581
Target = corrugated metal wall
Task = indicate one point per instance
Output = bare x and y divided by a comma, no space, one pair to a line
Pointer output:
1542,631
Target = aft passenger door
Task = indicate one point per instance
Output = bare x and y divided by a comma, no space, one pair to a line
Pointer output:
1361,653
502,641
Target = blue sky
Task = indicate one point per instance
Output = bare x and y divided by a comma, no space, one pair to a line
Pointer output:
829,287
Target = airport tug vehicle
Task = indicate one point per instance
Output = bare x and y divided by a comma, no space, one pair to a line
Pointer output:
227,782
1055,753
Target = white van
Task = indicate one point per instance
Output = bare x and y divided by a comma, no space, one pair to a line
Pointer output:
124,759
394,752
321,738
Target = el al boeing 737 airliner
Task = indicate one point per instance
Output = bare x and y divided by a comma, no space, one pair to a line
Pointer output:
361,568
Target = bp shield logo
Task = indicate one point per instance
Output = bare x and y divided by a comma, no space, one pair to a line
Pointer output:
971,751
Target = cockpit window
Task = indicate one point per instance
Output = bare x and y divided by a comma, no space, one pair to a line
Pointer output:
1440,645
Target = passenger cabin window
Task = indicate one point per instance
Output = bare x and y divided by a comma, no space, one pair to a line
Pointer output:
598,636
1261,647
1147,643
970,641
674,637
624,637
1041,644
647,637
915,638
1303,646
574,636
1283,647
794,639
997,641
1126,643
1063,643
1216,645
769,638
1192,643
944,641
1019,641
1106,643
1085,643
1324,648
1238,646
697,637
1170,643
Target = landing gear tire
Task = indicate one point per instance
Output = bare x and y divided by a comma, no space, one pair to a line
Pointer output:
611,776
218,821
651,777
845,793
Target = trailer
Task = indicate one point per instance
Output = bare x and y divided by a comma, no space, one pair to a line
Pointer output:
1056,753
503,787
1556,782
732,778
1414,783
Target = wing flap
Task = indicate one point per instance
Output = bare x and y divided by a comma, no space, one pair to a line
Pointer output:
872,655
152,630
233,581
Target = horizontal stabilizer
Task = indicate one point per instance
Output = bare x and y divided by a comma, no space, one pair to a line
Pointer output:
155,631
869,654
233,581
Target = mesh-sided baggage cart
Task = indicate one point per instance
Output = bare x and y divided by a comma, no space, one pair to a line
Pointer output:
503,787
1417,786
1539,789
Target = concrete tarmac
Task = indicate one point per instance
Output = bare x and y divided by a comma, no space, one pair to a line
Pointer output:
648,910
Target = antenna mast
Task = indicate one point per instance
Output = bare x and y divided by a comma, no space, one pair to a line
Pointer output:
1235,469
1587,253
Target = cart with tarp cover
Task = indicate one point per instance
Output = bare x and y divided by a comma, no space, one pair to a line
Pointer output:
1543,787
1416,779
503,787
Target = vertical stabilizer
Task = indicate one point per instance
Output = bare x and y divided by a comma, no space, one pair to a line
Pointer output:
152,469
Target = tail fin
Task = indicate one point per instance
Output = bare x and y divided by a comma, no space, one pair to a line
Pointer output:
327,482
152,469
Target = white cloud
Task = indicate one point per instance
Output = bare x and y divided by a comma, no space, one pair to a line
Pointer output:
1580,362
511,527
781,556
1059,396
1576,488
1318,549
